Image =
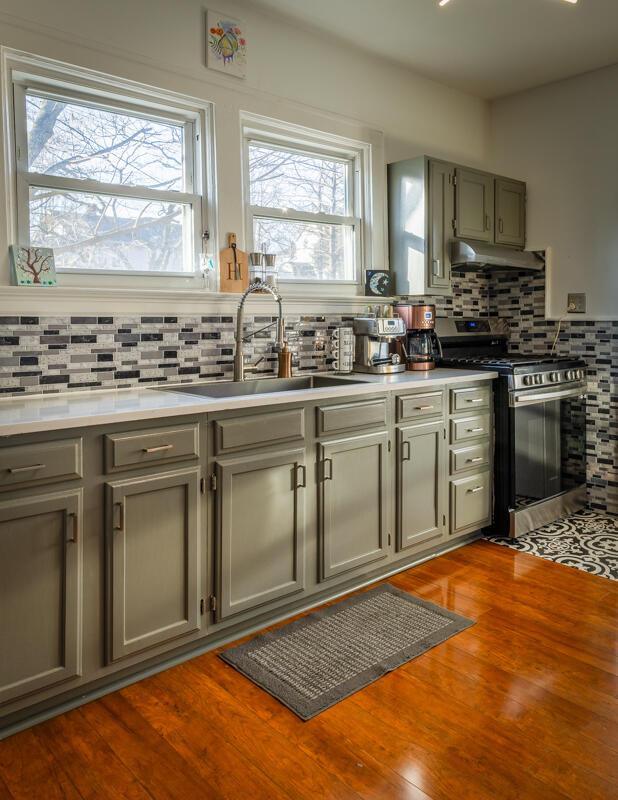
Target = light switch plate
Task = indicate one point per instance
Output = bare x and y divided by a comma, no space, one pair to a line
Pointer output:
576,303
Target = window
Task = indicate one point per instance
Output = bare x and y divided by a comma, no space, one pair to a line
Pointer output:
113,184
304,204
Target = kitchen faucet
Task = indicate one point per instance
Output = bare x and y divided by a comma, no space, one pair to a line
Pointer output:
239,364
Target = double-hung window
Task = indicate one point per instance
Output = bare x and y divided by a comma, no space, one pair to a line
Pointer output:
304,200
114,184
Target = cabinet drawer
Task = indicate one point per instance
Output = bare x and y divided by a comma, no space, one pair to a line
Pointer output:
157,445
46,462
413,406
470,399
466,458
257,430
469,428
470,502
336,419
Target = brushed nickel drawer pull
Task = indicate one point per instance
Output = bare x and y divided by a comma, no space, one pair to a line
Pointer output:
328,477
71,522
407,455
423,408
119,526
474,460
17,470
475,399
159,449
300,485
475,430
475,490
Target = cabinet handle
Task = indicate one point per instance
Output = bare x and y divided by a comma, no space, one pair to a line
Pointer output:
17,470
302,485
435,266
119,526
501,225
328,461
423,408
487,223
71,524
474,460
474,430
158,449
405,456
474,400
475,490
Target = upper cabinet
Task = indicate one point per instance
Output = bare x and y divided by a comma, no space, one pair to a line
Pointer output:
474,205
510,227
432,202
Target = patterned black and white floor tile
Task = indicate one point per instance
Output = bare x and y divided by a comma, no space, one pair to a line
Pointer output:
585,540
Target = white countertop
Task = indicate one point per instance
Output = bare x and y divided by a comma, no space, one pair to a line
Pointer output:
100,407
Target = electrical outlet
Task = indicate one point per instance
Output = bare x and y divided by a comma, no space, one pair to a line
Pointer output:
576,303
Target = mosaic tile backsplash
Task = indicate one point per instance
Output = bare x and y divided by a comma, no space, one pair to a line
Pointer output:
52,354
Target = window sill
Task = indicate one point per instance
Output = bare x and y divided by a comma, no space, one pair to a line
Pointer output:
55,300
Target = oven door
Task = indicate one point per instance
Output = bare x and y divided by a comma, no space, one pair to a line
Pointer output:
549,436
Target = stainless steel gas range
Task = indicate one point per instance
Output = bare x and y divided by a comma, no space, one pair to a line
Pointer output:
540,424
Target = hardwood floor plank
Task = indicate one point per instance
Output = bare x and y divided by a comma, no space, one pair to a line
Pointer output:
4,791
30,771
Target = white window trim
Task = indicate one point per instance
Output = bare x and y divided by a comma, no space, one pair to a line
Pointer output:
22,70
291,137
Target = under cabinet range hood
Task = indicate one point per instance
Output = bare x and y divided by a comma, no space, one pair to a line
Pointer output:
467,255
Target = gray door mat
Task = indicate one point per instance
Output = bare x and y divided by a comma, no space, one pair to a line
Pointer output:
314,662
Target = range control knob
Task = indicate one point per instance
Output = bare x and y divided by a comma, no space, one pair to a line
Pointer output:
554,377
538,379
580,374
571,374
528,379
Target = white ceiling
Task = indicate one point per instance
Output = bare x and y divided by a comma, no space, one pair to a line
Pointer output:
488,48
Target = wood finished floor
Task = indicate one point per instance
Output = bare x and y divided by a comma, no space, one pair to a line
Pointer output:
522,705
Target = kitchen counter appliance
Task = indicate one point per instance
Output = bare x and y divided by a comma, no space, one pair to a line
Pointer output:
540,423
374,348
422,346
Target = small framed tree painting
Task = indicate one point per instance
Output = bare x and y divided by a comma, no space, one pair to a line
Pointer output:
226,44
33,266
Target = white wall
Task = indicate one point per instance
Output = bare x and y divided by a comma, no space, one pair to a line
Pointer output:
563,140
292,74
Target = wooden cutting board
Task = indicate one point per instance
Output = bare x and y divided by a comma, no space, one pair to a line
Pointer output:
233,267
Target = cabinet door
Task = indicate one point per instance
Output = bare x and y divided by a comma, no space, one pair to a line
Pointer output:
40,576
440,219
353,499
470,503
260,528
510,212
474,199
154,560
421,482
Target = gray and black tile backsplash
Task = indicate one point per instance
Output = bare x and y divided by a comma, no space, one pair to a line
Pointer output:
59,353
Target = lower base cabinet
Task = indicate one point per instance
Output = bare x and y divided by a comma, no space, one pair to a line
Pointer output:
259,530
154,575
420,498
470,503
40,568
353,498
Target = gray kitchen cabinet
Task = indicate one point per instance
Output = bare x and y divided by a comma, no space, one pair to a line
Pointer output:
421,484
474,205
40,592
259,529
470,503
421,212
353,497
154,564
510,213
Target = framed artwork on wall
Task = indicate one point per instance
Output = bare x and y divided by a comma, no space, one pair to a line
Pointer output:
33,266
226,44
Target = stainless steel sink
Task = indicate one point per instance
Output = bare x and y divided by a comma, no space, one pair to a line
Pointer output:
262,386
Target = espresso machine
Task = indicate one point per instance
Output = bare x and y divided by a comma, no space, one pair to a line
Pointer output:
375,345
422,346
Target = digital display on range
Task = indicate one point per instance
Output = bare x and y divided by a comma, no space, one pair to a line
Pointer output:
472,325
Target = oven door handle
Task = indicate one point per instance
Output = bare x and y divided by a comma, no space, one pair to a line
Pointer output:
525,399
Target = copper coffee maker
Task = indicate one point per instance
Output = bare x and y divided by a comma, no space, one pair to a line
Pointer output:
422,345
